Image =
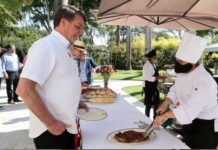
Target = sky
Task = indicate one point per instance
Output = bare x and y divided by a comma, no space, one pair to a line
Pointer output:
100,40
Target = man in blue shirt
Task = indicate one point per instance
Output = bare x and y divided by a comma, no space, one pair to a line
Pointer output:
85,67
10,65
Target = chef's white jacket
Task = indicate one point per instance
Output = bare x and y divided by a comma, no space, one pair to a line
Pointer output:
148,72
196,94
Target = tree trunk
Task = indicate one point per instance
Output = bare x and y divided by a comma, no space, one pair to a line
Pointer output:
118,36
1,40
128,49
58,3
48,16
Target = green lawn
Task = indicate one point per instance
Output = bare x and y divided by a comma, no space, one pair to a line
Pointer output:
135,91
123,75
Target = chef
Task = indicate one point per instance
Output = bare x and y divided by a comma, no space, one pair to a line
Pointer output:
195,95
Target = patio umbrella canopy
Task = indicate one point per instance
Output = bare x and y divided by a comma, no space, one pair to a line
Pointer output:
172,14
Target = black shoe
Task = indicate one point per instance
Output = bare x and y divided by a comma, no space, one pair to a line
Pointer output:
11,101
17,100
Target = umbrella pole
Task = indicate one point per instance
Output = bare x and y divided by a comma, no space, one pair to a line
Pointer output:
147,31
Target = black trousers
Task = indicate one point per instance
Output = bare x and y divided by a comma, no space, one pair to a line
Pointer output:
11,84
151,97
200,134
0,82
49,141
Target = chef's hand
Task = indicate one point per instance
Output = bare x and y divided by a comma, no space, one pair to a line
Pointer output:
84,106
57,127
161,78
163,107
159,120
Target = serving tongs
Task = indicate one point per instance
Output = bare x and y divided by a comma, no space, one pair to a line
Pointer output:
150,128
148,131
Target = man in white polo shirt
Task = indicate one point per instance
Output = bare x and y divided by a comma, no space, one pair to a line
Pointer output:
50,84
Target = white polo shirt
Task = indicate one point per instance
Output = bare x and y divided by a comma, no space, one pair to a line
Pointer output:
50,64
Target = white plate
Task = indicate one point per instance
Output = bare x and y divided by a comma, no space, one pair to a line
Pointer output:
94,114
111,138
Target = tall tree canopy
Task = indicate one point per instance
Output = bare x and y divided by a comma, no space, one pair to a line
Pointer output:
39,14
91,28
10,11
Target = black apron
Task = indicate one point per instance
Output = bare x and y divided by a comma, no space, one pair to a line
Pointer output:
152,94
200,134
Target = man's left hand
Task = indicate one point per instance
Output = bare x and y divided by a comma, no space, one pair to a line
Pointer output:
83,105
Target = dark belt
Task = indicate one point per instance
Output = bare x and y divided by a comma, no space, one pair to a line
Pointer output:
10,71
197,120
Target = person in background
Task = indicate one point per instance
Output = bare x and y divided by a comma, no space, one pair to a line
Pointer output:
20,55
77,50
208,70
1,73
151,77
50,85
195,95
86,65
11,66
1,69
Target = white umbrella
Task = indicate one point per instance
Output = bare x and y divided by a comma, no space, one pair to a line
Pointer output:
172,14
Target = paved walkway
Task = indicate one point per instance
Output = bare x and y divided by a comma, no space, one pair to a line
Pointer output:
14,119
14,124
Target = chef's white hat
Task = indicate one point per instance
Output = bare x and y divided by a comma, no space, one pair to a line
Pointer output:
191,48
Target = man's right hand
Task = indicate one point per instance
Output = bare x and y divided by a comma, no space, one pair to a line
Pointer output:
27,91
57,127
5,76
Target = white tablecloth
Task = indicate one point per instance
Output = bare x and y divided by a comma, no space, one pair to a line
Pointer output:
121,115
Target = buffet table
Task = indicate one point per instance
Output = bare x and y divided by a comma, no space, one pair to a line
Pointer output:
121,115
